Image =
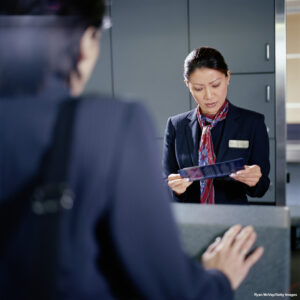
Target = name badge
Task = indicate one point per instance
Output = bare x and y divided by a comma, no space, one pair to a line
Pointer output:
243,144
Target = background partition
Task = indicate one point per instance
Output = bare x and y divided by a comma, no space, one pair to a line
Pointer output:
101,80
242,30
150,41
143,54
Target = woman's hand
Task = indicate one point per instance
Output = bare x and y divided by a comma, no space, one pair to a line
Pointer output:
250,175
178,184
229,254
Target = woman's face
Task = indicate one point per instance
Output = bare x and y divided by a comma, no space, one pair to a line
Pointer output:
209,89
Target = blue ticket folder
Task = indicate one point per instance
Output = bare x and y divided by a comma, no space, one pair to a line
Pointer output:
220,169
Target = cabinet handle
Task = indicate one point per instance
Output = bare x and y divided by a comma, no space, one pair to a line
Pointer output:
268,93
267,51
288,177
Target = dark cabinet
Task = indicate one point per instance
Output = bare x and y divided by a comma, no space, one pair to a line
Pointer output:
142,56
255,92
243,30
150,43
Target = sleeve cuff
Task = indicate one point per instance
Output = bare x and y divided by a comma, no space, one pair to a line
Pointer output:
224,283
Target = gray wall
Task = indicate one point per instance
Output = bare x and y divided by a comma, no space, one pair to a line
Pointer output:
293,188
101,80
143,53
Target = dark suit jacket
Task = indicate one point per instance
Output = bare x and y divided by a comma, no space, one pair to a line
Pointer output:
181,145
121,239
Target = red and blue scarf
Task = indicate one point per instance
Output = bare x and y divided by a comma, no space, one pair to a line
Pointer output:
206,150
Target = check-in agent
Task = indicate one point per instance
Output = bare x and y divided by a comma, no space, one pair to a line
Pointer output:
213,132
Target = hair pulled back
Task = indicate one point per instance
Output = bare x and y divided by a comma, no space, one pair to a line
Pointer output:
89,11
204,57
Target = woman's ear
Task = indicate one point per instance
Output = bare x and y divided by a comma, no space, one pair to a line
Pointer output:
228,76
89,49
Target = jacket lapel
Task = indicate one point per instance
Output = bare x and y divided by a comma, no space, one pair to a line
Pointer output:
231,126
192,136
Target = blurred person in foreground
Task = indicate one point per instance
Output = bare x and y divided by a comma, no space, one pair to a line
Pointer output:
121,241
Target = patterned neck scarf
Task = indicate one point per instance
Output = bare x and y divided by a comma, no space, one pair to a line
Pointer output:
206,150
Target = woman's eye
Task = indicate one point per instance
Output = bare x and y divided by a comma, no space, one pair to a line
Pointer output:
198,90
217,85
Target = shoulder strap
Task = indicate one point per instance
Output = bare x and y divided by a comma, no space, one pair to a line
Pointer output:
50,202
58,160
53,193
54,169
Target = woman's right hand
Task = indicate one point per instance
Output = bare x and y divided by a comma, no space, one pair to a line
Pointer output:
178,184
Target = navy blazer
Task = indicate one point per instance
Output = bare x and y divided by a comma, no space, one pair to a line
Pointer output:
181,145
121,241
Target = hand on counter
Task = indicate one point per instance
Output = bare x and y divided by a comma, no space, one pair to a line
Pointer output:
229,254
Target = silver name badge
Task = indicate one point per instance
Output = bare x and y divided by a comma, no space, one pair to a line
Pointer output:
238,144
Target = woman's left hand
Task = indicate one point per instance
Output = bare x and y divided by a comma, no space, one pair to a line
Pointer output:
250,175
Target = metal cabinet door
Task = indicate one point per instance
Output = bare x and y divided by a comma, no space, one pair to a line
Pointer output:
150,42
255,92
243,30
101,78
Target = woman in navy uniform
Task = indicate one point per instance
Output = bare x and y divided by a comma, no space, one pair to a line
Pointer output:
213,132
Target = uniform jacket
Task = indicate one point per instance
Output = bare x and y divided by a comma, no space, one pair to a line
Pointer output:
181,146
121,241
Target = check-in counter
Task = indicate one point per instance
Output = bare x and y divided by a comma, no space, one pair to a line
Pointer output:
199,225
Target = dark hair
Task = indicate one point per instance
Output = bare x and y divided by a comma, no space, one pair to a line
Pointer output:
204,57
41,39
90,11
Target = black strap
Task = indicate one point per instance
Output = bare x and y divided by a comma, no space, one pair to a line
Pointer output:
50,201
53,193
57,164
41,219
